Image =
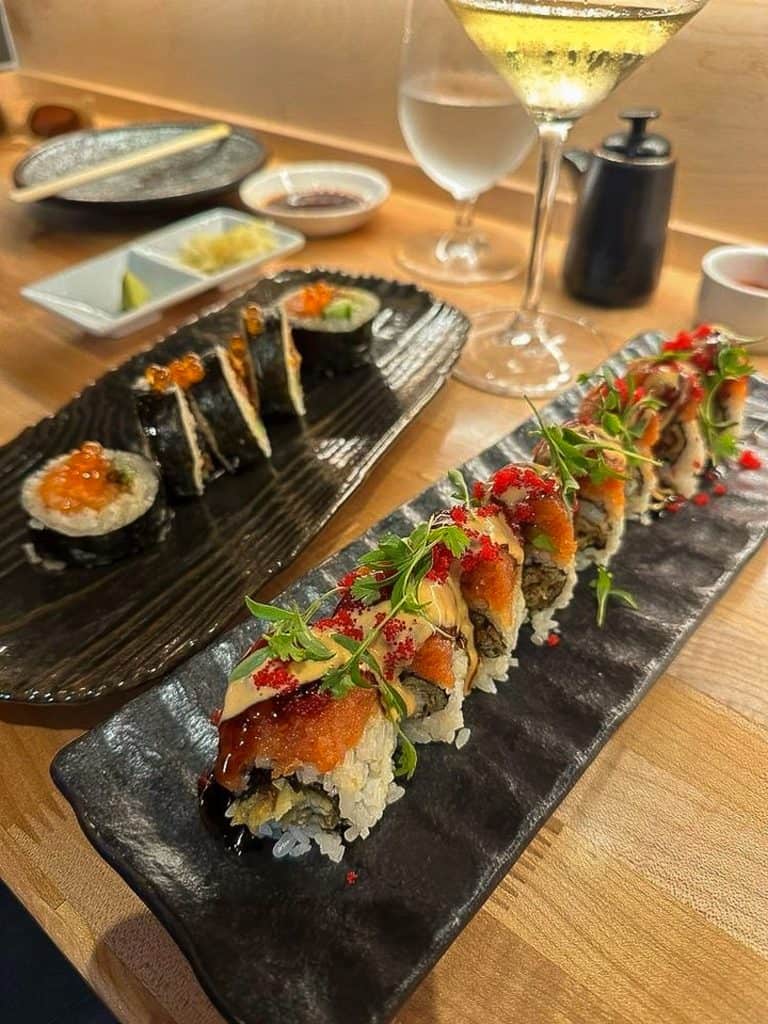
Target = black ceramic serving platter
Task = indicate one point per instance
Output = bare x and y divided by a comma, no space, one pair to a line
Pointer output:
288,940
190,177
81,633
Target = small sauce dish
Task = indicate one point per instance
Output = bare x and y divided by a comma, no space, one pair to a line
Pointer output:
318,199
734,291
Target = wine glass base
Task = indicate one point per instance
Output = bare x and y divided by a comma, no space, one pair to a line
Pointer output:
480,256
514,353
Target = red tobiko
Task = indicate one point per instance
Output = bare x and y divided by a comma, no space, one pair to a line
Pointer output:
702,331
351,877
675,505
622,390
486,511
749,460
216,716
458,514
486,552
348,579
701,499
523,477
342,621
638,395
441,563
392,629
553,639
401,654
478,490
275,675
719,490
682,342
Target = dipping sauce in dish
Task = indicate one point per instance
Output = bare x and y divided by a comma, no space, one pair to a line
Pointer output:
314,201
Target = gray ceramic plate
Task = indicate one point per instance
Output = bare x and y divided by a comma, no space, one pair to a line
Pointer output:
288,941
194,176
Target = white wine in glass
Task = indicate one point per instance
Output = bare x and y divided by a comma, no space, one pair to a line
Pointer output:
562,58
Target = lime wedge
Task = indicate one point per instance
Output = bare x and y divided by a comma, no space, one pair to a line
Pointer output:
135,292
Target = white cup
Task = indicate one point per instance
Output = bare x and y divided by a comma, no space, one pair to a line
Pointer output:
734,291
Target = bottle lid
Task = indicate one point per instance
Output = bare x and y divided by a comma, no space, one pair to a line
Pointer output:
636,143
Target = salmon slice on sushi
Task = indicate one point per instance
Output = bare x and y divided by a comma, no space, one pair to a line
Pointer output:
724,370
535,510
680,449
628,414
592,470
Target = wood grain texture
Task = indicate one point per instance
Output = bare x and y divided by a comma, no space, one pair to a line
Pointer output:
641,901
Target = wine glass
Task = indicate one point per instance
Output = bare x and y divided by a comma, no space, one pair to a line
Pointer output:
562,58
466,129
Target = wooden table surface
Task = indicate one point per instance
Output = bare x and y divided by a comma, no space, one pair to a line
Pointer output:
644,898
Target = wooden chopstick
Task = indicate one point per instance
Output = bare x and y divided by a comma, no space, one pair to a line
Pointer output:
190,140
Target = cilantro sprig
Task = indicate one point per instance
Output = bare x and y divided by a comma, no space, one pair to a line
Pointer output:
604,589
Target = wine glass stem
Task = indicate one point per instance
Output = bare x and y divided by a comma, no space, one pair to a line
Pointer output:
464,216
552,137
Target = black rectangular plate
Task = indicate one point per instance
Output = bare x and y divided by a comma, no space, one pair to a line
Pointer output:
82,633
274,941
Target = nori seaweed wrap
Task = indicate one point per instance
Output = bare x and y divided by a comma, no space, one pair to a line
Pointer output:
332,325
173,438
275,359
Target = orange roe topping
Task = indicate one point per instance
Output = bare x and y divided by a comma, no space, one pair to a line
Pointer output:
253,318
312,300
749,460
304,727
185,371
86,479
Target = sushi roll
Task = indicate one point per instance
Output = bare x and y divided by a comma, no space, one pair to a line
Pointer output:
93,506
629,415
491,585
724,370
332,325
680,448
276,360
225,412
534,508
172,435
593,470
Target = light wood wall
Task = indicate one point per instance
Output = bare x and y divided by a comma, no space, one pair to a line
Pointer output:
329,67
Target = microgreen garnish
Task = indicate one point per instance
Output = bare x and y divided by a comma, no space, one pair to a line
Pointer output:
731,363
289,639
621,408
604,589
460,490
575,455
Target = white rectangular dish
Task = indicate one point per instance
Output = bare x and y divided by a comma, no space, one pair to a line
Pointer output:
90,293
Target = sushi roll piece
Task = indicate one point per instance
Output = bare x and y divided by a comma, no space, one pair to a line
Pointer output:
491,584
332,325
225,412
592,470
172,436
629,415
534,508
93,506
276,360
724,370
680,448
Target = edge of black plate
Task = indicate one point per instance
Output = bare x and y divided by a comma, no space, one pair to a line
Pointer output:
138,205
363,470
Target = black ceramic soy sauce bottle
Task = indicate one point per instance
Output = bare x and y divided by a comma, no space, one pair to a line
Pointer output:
625,191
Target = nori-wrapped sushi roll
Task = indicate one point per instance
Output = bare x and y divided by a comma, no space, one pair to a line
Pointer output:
331,325
173,437
276,360
225,411
93,506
